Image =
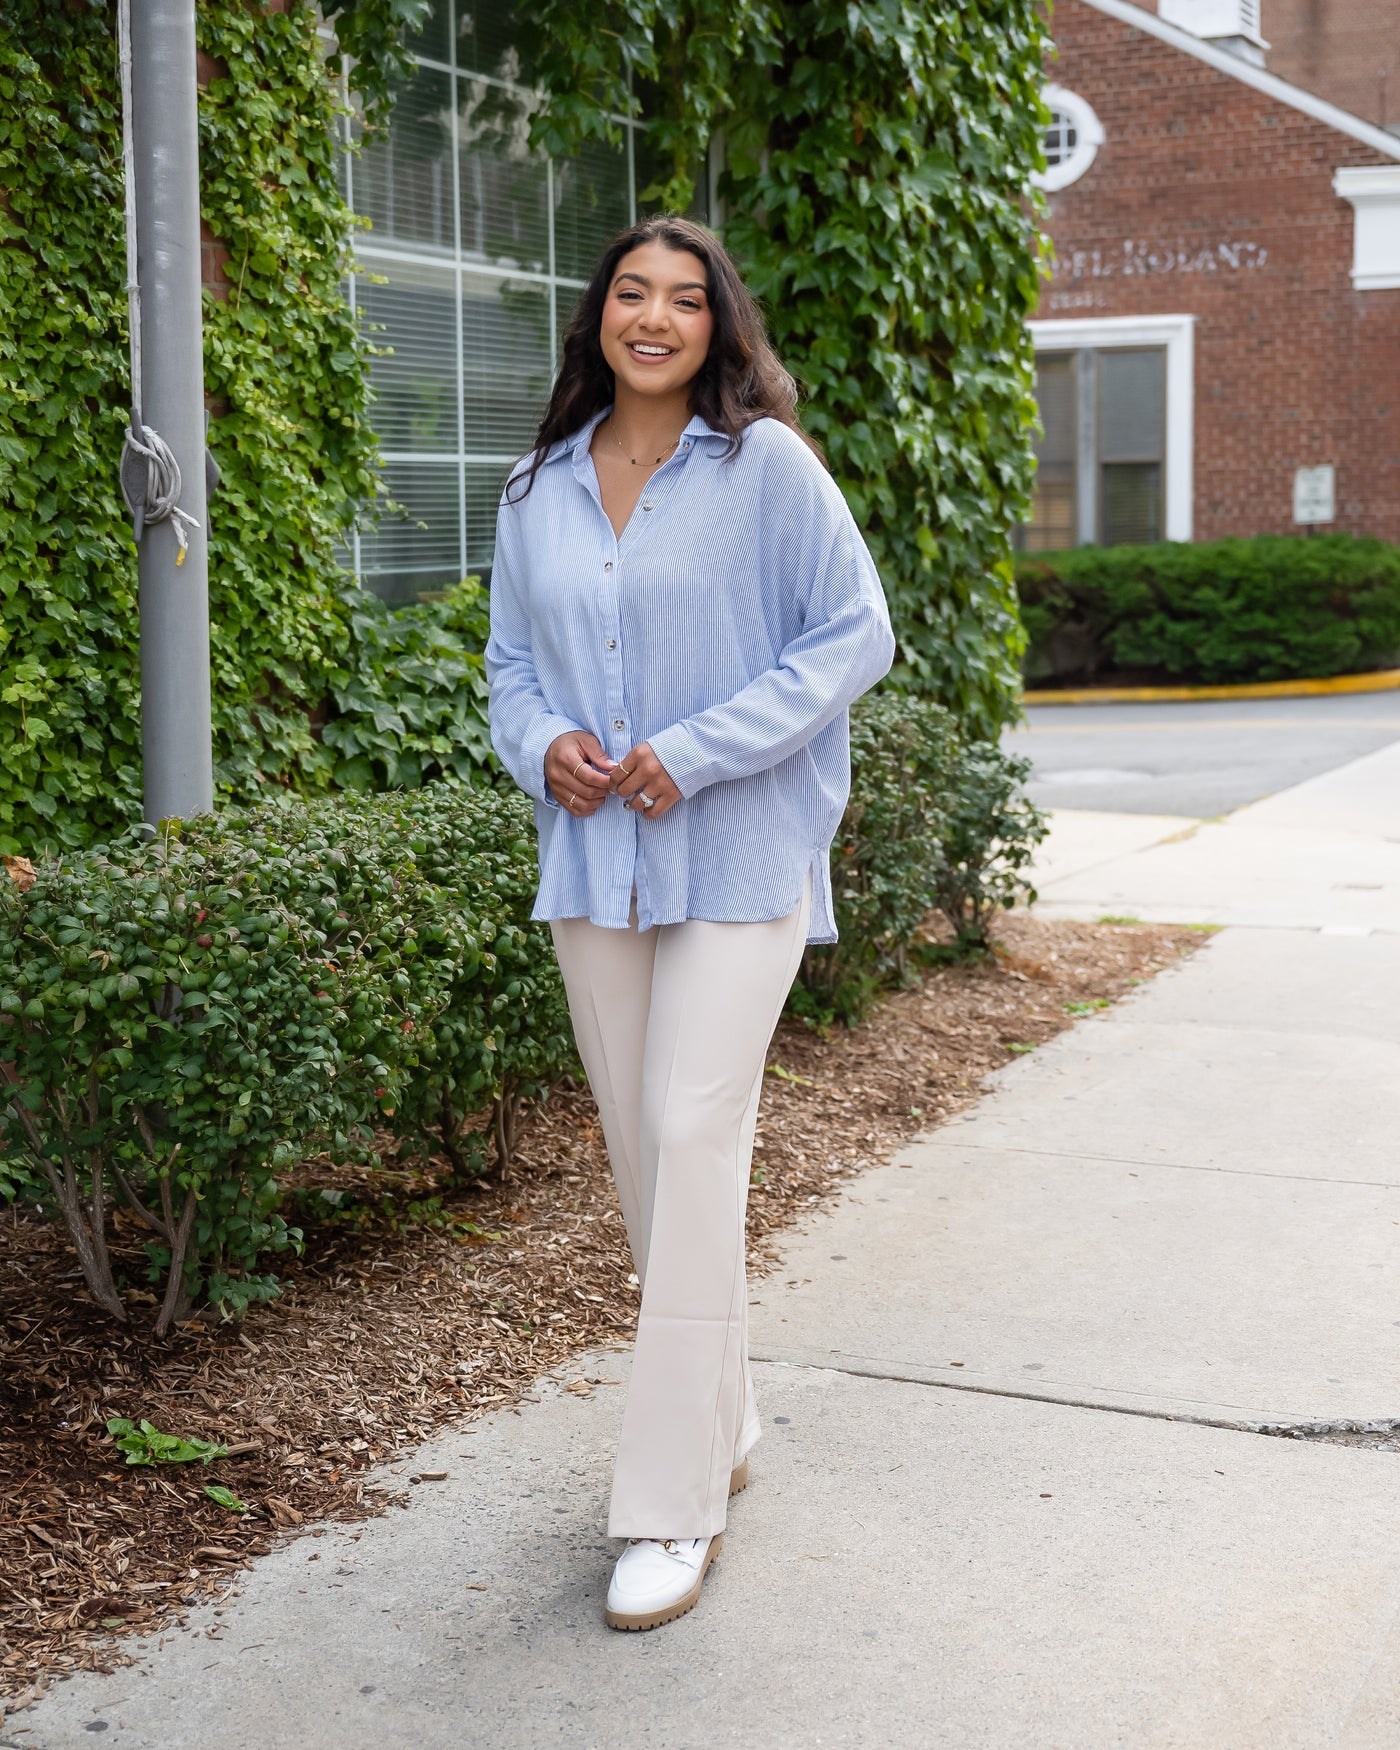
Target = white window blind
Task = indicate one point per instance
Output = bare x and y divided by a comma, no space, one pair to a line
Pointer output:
475,256
1101,454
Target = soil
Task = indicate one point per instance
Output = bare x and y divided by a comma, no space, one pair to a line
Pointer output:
415,1305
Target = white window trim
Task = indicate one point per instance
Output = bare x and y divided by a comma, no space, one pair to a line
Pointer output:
1177,335
1374,193
1088,138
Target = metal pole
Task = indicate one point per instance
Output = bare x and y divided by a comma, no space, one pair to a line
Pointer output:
176,740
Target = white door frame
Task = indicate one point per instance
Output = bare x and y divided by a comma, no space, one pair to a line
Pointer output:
1177,335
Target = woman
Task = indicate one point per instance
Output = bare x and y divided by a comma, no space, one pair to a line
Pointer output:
681,611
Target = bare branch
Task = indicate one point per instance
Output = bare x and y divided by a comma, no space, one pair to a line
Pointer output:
153,1222
175,1282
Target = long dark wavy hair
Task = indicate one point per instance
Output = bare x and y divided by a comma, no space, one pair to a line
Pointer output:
739,382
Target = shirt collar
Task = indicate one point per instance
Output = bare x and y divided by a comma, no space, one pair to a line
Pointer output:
697,430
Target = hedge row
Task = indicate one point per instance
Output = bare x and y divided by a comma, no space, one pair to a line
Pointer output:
181,1020
936,822
184,1019
1278,607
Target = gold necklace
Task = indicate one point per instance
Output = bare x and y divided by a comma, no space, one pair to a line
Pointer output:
636,463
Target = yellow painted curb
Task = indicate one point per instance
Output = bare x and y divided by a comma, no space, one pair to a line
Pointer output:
1385,680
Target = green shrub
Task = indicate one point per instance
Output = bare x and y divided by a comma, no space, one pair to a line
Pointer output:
409,701
1278,607
503,1035
934,821
488,1019
173,1035
181,1020
884,853
991,830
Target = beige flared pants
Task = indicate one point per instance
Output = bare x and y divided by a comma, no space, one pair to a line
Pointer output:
673,1025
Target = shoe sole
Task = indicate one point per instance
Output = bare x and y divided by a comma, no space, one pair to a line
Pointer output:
622,1619
739,1478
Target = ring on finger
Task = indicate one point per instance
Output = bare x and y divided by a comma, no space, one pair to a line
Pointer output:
578,768
647,801
573,799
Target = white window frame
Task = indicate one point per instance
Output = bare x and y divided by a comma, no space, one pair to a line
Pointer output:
1089,136
375,253
1374,193
1177,335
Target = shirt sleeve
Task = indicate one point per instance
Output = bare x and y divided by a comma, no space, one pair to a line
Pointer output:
844,647
522,724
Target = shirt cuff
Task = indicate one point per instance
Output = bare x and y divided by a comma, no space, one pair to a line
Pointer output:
678,750
535,745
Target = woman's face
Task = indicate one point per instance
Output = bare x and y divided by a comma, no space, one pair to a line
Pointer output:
657,320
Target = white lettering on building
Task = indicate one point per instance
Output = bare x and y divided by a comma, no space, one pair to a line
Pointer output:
1141,256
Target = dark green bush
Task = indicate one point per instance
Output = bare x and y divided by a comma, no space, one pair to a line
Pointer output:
503,1036
409,699
488,1019
990,832
934,822
173,1035
1278,607
884,854
181,1020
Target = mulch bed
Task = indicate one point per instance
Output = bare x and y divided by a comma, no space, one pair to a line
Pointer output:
421,1310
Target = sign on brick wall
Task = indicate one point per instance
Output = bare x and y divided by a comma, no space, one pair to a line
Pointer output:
1315,494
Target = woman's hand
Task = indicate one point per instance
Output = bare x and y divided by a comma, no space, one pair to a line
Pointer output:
642,774
577,772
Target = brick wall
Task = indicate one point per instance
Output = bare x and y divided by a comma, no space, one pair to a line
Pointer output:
1209,198
1347,51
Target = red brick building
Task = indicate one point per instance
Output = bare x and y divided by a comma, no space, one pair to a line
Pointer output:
1347,51
1225,306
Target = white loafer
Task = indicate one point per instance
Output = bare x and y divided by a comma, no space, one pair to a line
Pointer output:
656,1581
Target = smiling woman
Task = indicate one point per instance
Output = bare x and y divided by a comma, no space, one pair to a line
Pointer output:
655,335
682,609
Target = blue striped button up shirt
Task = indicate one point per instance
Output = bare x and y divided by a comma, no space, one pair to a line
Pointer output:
729,625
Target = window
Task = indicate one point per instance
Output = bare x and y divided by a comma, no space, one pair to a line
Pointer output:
1073,136
1132,445
476,253
1117,453
1101,456
1061,139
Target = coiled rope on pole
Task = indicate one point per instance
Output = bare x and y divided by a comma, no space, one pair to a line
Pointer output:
150,478
150,475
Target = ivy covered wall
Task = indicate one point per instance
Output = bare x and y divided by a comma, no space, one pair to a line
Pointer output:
284,367
875,158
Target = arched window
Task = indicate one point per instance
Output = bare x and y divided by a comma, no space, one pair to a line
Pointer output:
1072,139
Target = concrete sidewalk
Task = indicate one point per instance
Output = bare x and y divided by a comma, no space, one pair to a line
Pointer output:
1011,1489
1323,855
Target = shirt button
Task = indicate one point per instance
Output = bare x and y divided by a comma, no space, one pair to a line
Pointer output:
647,505
619,723
608,566
611,644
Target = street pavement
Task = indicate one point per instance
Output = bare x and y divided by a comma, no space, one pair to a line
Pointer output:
1324,855
1023,1386
1199,758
